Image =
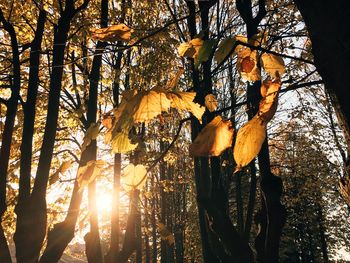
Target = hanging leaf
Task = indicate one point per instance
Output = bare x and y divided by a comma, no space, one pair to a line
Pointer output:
247,65
175,80
268,105
213,139
61,170
211,103
121,142
190,49
165,234
89,172
249,141
150,105
204,52
134,177
224,49
120,32
91,134
184,101
107,121
273,65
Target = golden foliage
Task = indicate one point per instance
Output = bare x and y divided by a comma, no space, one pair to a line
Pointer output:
211,103
213,139
120,32
134,177
249,141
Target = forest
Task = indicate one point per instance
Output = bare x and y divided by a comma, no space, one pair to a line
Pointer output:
174,131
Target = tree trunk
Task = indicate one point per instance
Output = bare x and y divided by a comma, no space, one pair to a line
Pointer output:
32,217
332,60
272,216
8,131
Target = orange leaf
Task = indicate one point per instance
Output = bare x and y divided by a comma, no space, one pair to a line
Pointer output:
215,137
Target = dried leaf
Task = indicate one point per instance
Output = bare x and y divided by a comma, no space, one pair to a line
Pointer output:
268,105
134,177
165,234
184,101
89,172
120,32
190,49
204,52
211,103
214,138
247,65
150,105
121,142
224,49
249,141
91,134
273,65
175,80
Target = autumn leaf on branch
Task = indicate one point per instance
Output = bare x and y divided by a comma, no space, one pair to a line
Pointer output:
144,106
91,134
61,170
185,101
213,139
211,103
247,64
89,172
252,135
224,49
249,141
134,177
268,104
190,49
120,32
165,233
273,65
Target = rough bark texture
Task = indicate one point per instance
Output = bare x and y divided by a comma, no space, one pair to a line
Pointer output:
327,22
271,218
32,217
8,131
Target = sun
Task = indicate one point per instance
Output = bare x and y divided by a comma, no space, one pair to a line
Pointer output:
104,201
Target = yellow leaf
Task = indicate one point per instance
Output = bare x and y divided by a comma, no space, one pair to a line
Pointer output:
224,49
150,105
175,80
247,65
213,139
268,105
211,102
184,101
273,65
112,33
91,134
249,141
186,50
121,142
165,234
190,49
134,177
89,172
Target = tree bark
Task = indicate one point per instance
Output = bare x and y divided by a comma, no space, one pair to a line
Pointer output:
271,218
32,217
330,39
8,131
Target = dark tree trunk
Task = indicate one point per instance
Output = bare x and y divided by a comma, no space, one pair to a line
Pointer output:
330,39
271,218
32,217
8,131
